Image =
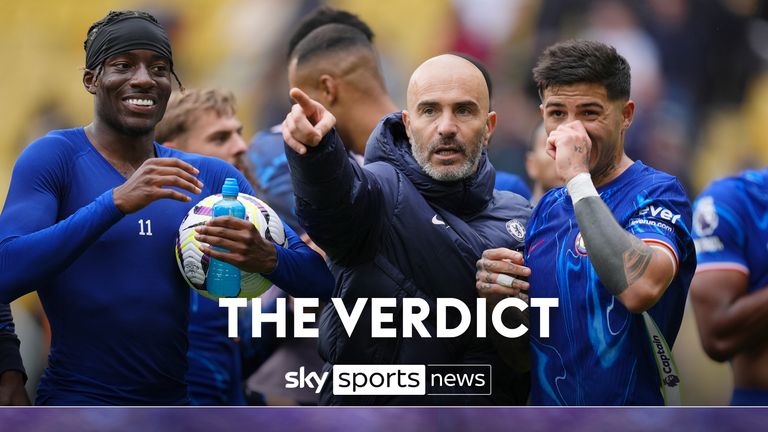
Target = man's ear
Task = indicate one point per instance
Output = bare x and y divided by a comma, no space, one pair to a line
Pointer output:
329,89
490,126
89,81
628,113
407,123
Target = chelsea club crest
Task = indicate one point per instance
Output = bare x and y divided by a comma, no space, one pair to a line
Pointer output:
516,229
579,246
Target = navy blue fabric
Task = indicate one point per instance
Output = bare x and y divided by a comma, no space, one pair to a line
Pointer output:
10,358
390,230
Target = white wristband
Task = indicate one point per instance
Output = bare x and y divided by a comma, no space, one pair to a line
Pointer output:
581,187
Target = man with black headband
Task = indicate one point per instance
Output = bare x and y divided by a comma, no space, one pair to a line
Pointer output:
90,223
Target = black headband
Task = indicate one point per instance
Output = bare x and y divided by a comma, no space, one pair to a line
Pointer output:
127,34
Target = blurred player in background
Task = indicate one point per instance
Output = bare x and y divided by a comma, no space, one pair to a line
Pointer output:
204,121
339,65
504,180
540,166
730,227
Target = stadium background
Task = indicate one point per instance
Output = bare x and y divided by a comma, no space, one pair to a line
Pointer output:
699,77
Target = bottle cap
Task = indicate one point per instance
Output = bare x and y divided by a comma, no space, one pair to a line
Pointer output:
230,188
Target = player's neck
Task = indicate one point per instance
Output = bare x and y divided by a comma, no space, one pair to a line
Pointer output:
537,192
118,147
624,163
363,121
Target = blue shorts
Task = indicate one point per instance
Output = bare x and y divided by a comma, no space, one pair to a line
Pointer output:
749,397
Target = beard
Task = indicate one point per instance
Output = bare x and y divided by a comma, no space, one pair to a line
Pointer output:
605,162
449,173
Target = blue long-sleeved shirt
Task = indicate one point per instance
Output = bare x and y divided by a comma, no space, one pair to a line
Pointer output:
109,283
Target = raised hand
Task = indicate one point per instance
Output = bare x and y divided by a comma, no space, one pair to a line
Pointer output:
570,147
151,182
247,249
307,123
499,271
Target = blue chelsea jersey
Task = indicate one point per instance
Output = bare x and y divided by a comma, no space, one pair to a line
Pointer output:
730,226
109,282
598,352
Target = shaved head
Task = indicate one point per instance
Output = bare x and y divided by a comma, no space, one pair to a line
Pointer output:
338,66
446,71
337,50
448,120
358,66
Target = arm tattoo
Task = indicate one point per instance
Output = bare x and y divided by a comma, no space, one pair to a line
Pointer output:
619,258
636,261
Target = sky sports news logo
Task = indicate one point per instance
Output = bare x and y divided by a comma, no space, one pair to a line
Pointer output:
397,380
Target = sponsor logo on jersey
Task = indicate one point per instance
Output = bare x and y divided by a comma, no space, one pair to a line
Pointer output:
705,218
660,212
579,246
653,223
516,229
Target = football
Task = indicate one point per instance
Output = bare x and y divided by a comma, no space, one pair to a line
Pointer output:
194,264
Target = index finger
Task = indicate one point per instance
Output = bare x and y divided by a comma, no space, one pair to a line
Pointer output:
175,162
552,147
325,124
551,150
304,101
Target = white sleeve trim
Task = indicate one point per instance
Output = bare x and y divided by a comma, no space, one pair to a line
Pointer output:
720,266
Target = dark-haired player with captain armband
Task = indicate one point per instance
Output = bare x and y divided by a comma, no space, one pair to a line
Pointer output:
611,245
